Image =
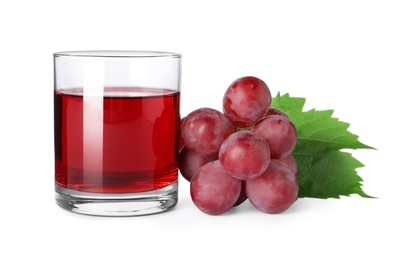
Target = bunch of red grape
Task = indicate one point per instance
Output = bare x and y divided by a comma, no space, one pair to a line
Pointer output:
243,153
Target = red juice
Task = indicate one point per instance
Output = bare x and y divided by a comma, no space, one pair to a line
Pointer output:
122,141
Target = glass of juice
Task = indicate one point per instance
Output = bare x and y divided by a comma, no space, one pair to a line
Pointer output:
116,127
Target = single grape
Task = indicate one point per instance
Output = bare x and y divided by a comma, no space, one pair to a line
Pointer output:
204,130
290,162
213,190
275,190
246,101
280,134
244,155
189,162
242,197
277,112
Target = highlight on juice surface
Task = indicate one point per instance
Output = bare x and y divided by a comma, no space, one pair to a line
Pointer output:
116,116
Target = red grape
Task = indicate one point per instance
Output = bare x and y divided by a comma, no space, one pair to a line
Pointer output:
246,101
279,133
275,190
277,112
242,197
213,190
290,162
189,162
244,155
204,130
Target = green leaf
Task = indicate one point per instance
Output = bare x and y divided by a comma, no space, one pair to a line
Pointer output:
323,170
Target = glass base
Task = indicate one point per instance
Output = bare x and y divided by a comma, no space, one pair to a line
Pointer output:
111,204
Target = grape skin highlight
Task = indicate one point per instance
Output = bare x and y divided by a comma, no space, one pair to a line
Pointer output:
244,155
204,130
246,101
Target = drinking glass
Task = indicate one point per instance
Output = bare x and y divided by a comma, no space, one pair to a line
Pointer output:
116,126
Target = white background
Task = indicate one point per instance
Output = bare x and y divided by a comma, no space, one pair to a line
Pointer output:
351,56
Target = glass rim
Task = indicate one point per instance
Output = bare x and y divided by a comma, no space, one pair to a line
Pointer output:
117,54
